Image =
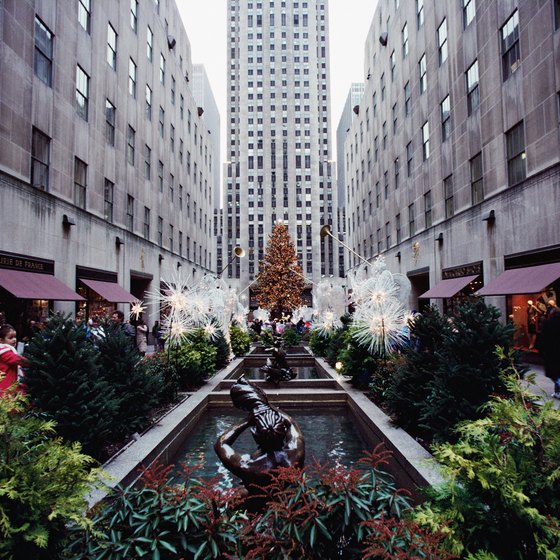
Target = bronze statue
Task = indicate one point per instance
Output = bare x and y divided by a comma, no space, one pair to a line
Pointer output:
277,368
279,439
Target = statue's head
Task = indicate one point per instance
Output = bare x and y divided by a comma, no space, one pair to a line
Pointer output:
247,396
269,430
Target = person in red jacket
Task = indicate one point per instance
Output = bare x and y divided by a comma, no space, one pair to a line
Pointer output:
10,360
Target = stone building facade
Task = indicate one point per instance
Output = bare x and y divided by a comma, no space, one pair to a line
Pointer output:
453,166
106,165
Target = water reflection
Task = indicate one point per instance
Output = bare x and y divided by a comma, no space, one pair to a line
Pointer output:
330,436
303,372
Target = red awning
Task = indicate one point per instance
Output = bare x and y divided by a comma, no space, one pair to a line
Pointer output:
527,280
448,288
32,285
110,291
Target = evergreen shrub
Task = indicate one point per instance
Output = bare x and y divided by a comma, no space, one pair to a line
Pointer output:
64,379
138,390
240,340
43,483
502,498
454,370
291,337
194,360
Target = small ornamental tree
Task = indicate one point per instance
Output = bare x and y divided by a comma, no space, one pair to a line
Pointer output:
280,280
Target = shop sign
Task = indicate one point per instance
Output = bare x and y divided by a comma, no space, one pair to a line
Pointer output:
21,262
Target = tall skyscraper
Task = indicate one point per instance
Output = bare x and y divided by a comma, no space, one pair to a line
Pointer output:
278,147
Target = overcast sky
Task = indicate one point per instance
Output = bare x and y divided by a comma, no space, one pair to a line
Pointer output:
349,20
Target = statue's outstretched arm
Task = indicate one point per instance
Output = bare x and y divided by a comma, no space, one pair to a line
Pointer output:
223,447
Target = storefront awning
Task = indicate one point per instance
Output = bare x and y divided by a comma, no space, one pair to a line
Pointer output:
527,280
109,291
32,285
448,288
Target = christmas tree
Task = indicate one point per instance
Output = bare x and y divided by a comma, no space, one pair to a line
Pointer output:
280,281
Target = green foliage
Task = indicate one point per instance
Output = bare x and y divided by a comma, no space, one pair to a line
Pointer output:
138,390
503,493
407,394
222,350
157,366
240,341
43,483
291,337
357,362
320,512
64,380
267,339
319,344
194,360
453,371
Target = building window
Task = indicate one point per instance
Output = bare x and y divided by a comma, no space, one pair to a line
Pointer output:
171,187
172,90
397,170
43,52
556,14
109,123
172,137
395,119
442,42
84,14
80,178
516,158
445,109
393,61
398,228
428,209
129,212
160,176
407,100
426,140
134,15
411,220
40,160
132,78
469,11
422,73
108,193
448,196
404,35
473,93
161,121
388,235
130,145
147,162
160,231
477,186
148,102
161,69
150,44
111,47
511,56
409,159
420,13
146,222
82,93
171,236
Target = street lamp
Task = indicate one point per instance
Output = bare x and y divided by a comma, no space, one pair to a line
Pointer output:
326,230
238,253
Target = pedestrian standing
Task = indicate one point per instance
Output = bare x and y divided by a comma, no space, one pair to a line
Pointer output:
549,346
10,360
142,337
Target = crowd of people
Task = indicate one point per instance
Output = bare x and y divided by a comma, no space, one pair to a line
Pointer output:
277,327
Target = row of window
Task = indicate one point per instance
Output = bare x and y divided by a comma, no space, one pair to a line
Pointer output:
516,170
40,164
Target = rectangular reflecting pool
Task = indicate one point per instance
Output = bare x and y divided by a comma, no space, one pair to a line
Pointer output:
330,436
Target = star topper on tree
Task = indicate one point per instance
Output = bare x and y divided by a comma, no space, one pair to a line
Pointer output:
280,281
